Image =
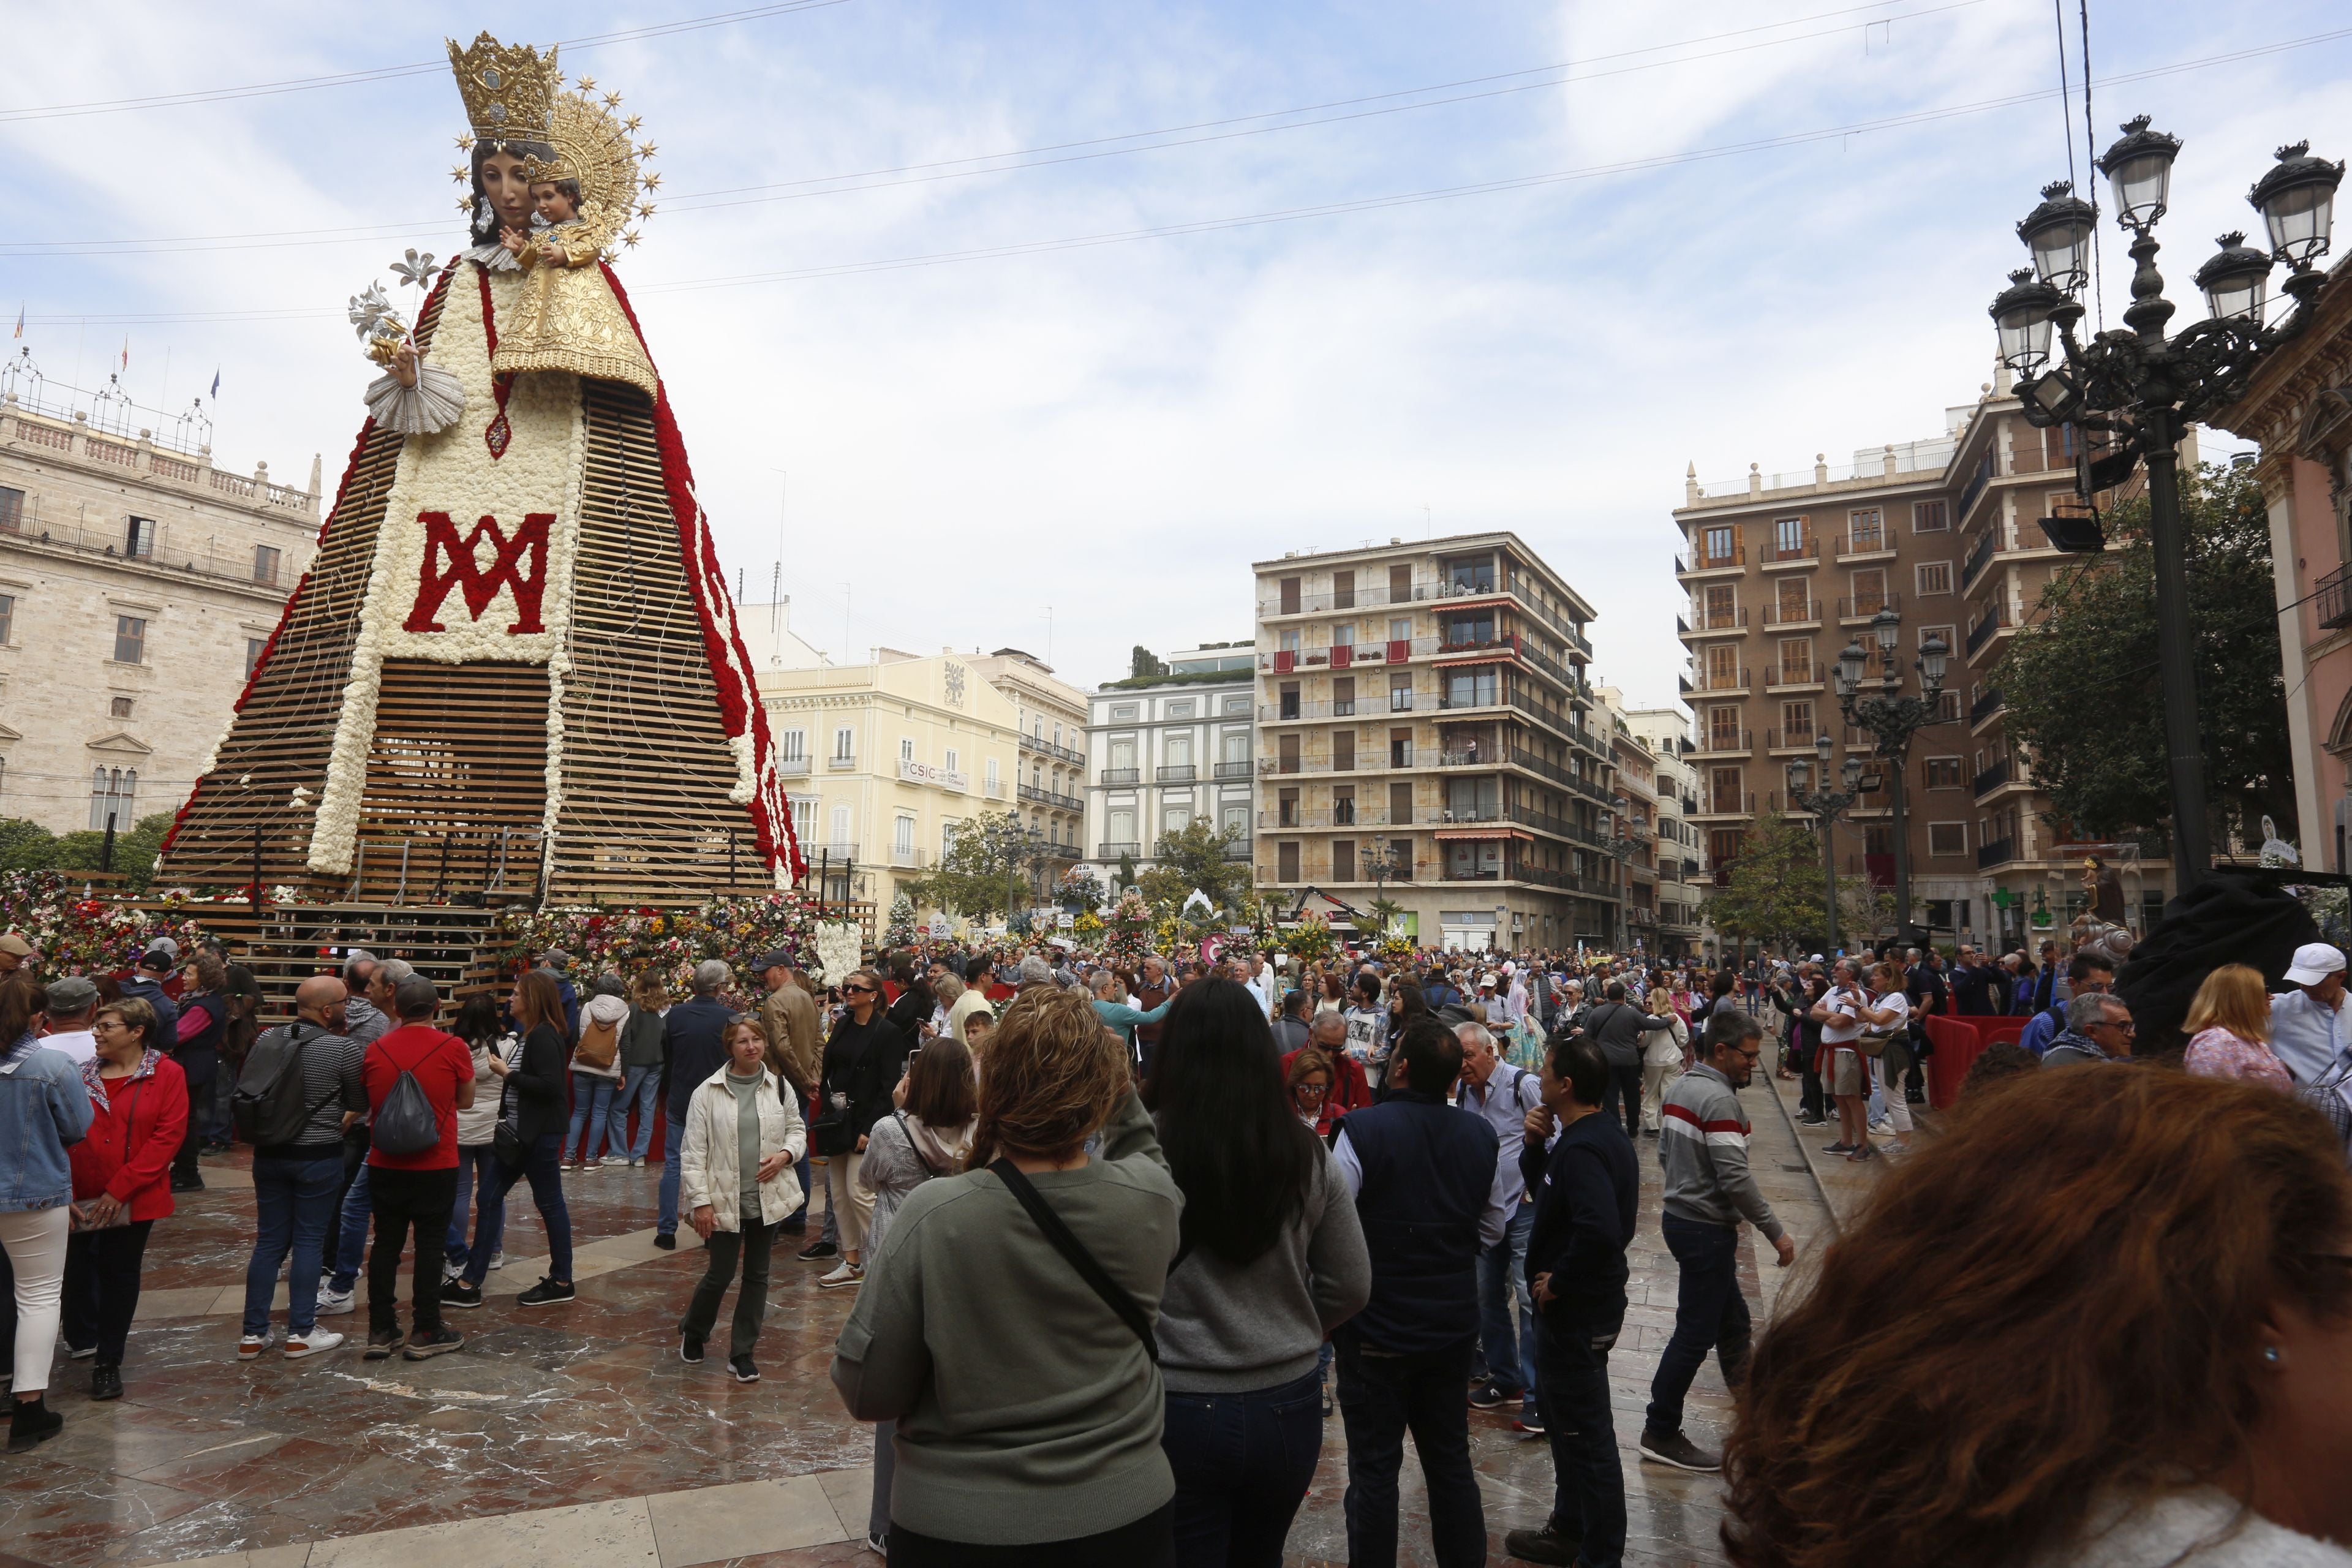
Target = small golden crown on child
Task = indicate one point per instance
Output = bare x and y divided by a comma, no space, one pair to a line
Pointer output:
508,89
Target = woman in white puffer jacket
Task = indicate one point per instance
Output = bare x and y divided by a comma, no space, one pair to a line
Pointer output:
735,1181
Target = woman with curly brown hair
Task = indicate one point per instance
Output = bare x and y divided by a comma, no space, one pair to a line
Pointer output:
2107,1327
1024,1382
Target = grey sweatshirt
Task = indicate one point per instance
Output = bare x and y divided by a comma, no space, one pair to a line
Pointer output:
1703,1155
1027,1410
1228,1330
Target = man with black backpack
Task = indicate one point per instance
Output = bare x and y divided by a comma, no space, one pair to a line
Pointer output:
296,1093
416,1081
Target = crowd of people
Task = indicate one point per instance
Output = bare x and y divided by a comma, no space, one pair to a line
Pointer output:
1123,1238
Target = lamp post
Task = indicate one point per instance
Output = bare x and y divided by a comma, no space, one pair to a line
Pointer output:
1379,864
2145,389
1621,848
1826,806
1891,720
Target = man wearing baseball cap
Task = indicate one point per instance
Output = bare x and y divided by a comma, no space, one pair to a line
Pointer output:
2309,1027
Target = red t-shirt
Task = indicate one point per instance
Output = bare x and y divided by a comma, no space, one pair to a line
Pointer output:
441,1062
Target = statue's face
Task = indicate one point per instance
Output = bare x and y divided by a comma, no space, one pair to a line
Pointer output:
508,190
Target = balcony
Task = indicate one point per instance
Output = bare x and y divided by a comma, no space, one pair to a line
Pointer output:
1806,617
1041,796
1727,744
1176,773
1122,775
1778,556
1976,487
1240,770
1978,557
1291,710
839,763
1792,679
1987,704
1789,740
793,767
1983,631
1993,777
1999,852
906,857
1046,748
1115,849
834,851
1857,609
1743,805
1702,561
1239,851
953,780
2333,601
1865,546
1716,622
1725,682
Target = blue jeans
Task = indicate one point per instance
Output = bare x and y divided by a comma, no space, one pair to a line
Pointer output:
591,1103
1709,1313
1381,1397
474,1163
351,1239
672,1151
291,1201
1587,1476
1503,1280
640,1091
1242,1464
498,1179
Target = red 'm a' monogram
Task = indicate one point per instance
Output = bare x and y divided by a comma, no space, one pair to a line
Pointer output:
520,562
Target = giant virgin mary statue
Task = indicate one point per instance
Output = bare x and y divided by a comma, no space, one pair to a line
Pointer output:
513,666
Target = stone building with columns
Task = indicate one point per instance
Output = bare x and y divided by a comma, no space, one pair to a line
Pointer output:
138,584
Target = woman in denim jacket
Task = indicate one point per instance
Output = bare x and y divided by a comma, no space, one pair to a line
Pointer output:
44,1108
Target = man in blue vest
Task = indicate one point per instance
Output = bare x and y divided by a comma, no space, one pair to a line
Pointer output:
1423,1178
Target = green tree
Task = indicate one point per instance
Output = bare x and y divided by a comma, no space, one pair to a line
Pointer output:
1142,662
1773,894
25,845
2080,682
1385,913
1193,856
986,872
134,851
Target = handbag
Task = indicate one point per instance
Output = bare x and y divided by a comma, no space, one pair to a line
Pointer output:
1114,1296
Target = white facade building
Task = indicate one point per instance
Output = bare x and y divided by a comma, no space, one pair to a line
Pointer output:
1165,749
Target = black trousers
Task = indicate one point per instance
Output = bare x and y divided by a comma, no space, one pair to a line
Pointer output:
402,1200
1625,1086
200,1116
753,1245
1148,1543
102,1287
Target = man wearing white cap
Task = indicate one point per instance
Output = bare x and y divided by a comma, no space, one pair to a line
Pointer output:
2309,1028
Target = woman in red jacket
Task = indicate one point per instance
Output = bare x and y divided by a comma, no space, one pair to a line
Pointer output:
122,1183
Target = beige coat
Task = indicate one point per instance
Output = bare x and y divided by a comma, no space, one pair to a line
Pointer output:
788,1019
710,1170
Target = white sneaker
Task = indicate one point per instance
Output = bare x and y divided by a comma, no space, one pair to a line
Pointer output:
847,1274
250,1347
334,1303
636,1161
498,1259
313,1343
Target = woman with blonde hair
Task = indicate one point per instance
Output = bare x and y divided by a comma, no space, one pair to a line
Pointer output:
2156,1264
2229,1030
1006,1324
1664,1054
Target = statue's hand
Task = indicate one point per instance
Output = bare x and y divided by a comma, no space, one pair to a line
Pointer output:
514,239
403,365
553,256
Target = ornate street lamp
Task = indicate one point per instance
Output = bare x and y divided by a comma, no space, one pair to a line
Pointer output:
1826,807
1891,720
2144,388
1621,848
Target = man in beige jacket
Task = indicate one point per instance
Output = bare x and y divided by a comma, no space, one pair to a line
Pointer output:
788,1018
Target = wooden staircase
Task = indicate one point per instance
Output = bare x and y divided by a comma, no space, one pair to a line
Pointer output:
289,944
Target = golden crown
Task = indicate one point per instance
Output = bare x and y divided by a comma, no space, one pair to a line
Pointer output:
509,90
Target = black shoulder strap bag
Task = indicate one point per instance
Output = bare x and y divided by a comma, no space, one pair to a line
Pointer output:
1129,1310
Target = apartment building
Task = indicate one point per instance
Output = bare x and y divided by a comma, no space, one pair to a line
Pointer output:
1784,570
1682,878
1636,838
1425,730
883,762
1050,718
137,586
1165,749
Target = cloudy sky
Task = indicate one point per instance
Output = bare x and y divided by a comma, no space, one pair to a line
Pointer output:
1506,265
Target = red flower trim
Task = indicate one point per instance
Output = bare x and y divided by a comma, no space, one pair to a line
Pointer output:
497,435
740,710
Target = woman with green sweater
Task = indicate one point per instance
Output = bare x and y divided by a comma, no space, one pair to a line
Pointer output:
1029,1410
